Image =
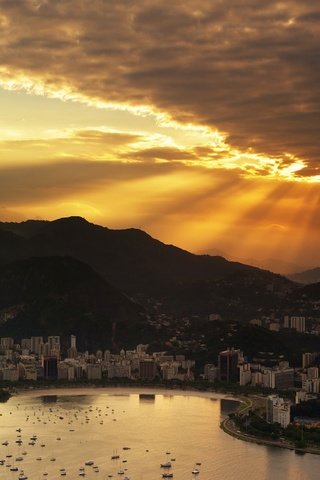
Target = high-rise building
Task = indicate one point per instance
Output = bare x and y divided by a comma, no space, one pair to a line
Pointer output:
298,323
50,367
308,358
6,343
36,345
147,369
54,345
282,379
313,372
277,410
72,351
228,361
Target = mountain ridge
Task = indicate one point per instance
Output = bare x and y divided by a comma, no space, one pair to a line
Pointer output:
141,266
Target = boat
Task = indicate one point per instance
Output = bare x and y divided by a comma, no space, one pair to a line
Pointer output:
165,465
167,475
195,471
89,463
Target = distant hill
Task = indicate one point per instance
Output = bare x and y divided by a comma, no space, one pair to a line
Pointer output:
275,265
306,277
61,295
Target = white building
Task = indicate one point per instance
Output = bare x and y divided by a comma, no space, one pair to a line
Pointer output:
278,410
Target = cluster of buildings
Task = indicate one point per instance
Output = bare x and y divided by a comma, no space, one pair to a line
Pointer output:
232,367
35,359
297,323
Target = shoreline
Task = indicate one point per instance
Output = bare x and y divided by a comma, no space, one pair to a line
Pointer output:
114,390
228,426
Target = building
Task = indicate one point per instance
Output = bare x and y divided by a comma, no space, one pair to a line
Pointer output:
309,358
211,372
72,351
50,368
54,345
119,371
94,371
297,323
313,372
282,379
147,369
245,375
36,345
228,361
10,374
277,410
6,343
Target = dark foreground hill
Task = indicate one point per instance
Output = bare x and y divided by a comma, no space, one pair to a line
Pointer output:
61,295
141,266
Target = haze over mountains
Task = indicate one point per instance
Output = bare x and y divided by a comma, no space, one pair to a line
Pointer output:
276,265
85,274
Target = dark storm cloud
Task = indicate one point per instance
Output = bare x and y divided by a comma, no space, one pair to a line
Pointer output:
249,68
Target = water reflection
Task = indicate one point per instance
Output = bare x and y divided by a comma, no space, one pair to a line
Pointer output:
49,399
147,397
140,429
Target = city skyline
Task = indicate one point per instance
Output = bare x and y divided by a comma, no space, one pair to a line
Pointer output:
198,124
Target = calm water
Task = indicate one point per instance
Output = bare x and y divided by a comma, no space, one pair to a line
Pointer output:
76,426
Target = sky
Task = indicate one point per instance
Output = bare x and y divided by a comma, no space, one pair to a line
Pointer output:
195,121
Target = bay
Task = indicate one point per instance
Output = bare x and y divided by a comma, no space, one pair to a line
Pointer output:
143,428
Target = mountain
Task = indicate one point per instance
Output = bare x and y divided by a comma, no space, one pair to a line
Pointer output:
275,265
61,295
146,268
306,277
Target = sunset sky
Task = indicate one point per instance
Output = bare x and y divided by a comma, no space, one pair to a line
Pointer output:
197,121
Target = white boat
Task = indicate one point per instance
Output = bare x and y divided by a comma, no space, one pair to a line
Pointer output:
195,471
